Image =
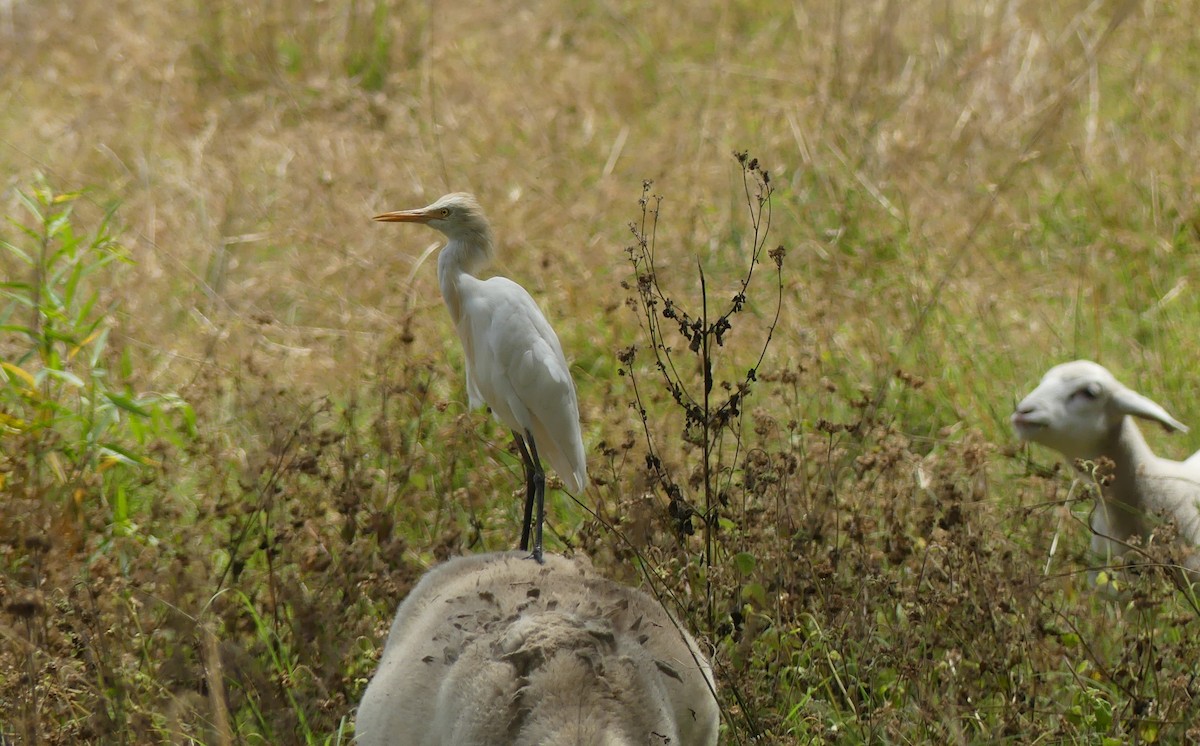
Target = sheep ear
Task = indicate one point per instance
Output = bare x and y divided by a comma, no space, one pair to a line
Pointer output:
1131,402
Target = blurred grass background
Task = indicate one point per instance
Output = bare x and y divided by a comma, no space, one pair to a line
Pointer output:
967,192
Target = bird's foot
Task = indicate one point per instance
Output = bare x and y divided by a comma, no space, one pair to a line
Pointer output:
536,556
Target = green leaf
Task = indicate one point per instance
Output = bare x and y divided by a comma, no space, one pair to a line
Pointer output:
85,310
18,329
120,505
60,226
14,249
744,562
99,343
11,424
129,405
19,373
65,376
21,299
33,207
126,363
756,594
123,455
54,335
66,197
72,282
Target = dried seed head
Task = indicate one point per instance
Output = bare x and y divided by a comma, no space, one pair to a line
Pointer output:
26,604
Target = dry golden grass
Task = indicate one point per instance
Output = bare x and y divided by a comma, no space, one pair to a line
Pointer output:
968,192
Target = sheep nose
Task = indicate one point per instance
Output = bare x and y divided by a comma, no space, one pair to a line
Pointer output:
1023,412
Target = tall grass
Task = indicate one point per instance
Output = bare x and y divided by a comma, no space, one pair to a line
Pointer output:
967,192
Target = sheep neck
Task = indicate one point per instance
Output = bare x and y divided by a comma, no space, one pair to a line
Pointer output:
1129,453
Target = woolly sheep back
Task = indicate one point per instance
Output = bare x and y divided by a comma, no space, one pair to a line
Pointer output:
495,649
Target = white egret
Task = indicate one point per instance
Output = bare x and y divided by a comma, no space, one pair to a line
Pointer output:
515,363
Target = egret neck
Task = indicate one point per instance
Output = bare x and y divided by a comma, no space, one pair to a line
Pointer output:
463,255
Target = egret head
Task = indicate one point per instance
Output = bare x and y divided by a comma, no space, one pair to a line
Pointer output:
456,215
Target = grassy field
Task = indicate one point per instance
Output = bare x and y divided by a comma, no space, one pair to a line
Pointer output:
232,408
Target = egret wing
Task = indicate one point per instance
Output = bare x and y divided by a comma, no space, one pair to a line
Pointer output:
519,369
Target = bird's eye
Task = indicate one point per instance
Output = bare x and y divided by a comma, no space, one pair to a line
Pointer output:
445,212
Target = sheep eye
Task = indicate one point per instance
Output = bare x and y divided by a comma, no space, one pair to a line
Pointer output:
1089,392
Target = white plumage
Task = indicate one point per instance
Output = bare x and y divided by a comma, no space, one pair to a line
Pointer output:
514,361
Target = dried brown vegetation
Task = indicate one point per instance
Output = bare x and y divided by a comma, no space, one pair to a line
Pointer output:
966,193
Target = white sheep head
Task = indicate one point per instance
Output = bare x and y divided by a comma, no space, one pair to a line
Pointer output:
1078,410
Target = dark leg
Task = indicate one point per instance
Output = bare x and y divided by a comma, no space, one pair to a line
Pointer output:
539,482
530,490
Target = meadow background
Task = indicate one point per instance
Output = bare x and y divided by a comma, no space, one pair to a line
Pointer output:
232,408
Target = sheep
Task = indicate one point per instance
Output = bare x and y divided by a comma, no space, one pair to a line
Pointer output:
494,649
1080,410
